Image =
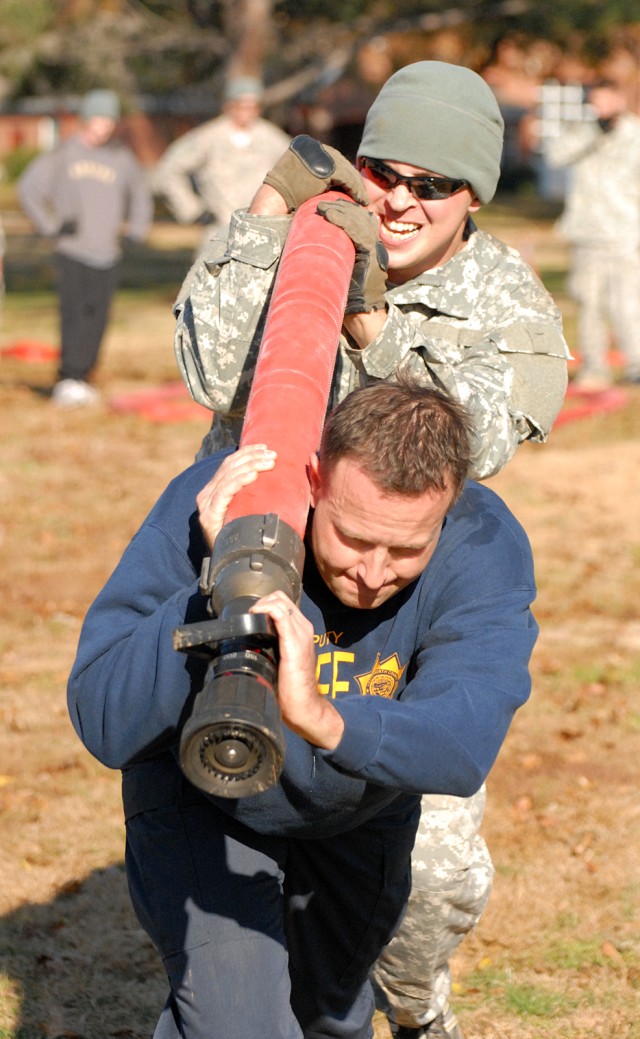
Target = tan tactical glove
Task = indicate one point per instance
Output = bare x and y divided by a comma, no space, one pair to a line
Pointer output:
369,277
309,168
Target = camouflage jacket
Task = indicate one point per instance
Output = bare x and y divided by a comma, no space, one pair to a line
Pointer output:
215,169
603,201
480,327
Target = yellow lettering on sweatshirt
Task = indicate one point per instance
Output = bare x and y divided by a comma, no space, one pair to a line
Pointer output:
86,170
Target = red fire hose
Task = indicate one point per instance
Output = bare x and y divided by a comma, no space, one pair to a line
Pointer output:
233,744
290,389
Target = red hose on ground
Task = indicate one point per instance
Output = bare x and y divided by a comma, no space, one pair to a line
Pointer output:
290,389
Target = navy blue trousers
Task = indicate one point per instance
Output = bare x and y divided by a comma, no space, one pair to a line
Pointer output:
85,295
265,937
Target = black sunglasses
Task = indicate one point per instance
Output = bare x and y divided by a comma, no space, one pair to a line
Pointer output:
426,188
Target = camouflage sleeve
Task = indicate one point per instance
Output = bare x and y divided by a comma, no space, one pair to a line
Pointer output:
221,310
512,380
572,144
140,201
172,176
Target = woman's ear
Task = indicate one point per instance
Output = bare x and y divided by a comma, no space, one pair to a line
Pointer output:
314,478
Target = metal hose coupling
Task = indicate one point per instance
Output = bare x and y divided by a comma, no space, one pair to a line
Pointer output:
233,743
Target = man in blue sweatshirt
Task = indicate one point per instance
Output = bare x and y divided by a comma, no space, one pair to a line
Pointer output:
399,674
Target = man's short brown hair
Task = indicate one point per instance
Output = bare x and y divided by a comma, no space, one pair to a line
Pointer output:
408,439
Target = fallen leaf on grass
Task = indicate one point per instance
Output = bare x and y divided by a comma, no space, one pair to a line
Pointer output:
582,845
633,977
609,950
531,762
70,887
521,807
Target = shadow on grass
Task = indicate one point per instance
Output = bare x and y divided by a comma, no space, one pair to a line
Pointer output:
79,966
29,266
39,391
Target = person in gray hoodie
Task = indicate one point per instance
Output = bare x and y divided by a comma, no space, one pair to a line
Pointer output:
84,194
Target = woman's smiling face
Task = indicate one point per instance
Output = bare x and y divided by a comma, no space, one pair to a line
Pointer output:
418,235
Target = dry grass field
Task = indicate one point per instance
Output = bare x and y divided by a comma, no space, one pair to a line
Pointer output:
557,952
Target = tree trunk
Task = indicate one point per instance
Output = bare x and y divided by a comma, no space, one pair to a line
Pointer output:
248,24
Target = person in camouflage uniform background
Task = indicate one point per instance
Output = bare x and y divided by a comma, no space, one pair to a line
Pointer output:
216,168
459,311
601,221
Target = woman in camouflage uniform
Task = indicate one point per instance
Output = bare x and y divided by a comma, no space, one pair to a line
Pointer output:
449,304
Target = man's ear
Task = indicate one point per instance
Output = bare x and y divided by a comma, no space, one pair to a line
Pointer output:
315,480
476,204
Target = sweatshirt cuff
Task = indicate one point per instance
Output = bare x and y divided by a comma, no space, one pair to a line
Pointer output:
361,737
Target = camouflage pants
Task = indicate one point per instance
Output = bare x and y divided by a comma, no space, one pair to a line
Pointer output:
452,874
225,432
606,285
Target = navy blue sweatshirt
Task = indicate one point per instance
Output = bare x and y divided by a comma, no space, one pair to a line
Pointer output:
427,684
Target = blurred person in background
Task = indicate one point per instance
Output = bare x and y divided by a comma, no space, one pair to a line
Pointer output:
601,222
2,251
216,168
86,195
454,308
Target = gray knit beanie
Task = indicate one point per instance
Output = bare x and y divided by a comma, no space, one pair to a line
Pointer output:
100,102
443,118
243,86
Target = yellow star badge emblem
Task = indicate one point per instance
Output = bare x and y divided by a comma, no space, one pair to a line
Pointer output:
383,678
